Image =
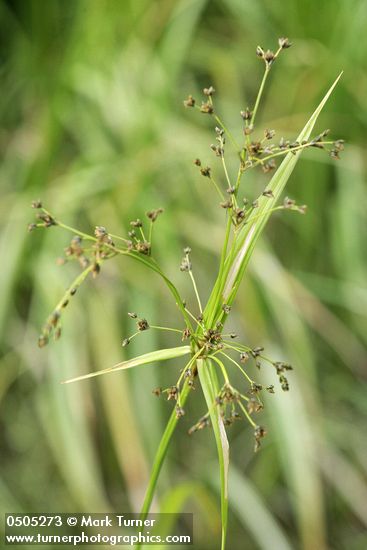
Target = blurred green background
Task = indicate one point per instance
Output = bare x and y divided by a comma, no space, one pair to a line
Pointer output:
92,122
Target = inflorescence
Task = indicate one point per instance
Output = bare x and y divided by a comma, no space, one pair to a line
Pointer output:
90,251
207,340
262,151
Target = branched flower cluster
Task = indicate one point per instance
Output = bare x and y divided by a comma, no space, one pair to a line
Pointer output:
203,331
90,251
261,152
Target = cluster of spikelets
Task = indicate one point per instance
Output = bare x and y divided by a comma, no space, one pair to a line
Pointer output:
206,341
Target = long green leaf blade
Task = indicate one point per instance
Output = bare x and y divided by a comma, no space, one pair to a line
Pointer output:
210,389
252,510
252,230
151,357
159,459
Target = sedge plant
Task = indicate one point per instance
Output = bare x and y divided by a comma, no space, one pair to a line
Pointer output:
211,354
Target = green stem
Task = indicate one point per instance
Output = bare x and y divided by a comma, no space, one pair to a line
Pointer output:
200,325
214,306
119,238
239,176
259,94
159,458
217,188
196,290
283,152
209,384
76,231
153,265
150,234
222,368
148,262
189,365
226,171
237,365
245,412
142,234
216,288
170,329
229,134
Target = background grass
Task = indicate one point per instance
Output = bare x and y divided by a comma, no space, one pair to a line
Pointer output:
93,123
